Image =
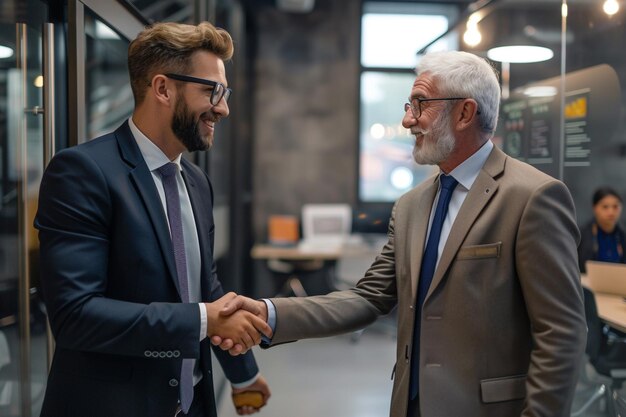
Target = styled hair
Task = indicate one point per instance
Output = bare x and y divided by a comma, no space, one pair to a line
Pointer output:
602,192
461,74
168,47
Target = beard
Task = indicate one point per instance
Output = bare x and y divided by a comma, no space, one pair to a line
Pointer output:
186,128
440,145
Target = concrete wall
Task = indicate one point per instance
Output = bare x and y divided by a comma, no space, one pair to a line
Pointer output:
305,109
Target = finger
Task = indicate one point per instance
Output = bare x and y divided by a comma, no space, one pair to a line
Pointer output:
262,326
246,409
247,339
227,344
236,350
216,340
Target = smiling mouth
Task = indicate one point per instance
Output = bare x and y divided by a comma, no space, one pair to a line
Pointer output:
208,123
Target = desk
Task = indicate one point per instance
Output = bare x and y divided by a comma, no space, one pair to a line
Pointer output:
309,260
292,253
611,308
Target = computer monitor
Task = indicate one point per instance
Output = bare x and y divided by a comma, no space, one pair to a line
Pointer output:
325,225
371,218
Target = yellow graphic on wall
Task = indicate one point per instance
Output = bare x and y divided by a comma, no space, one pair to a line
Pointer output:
577,109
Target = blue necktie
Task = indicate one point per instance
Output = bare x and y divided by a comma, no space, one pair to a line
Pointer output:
429,262
172,199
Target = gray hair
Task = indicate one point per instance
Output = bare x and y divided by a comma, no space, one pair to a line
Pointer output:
461,74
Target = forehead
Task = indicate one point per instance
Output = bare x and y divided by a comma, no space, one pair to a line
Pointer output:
207,65
609,199
424,86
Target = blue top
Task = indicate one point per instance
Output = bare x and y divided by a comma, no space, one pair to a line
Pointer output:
608,246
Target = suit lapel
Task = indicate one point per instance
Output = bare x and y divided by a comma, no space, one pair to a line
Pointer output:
141,177
418,228
483,189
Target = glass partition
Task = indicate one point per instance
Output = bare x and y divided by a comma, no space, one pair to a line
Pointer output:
107,85
391,33
23,341
563,105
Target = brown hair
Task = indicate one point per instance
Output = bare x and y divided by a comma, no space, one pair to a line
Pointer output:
167,47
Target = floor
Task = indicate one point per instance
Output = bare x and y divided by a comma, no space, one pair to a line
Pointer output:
333,377
337,377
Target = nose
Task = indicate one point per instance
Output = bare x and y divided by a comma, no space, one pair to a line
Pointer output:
222,108
408,120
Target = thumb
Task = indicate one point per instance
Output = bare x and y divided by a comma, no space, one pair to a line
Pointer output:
231,306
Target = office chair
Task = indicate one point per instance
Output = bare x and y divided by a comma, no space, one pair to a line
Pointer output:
351,268
290,274
606,351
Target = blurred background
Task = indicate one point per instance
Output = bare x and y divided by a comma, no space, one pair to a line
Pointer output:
319,88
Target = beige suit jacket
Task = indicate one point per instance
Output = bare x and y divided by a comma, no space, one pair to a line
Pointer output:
502,327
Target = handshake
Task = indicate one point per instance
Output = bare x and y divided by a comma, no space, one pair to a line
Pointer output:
236,323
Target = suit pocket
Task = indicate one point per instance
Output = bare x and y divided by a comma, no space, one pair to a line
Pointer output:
490,250
508,388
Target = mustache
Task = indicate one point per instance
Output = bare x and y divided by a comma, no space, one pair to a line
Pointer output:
210,116
417,131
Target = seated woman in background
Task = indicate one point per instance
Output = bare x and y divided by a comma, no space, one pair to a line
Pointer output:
602,239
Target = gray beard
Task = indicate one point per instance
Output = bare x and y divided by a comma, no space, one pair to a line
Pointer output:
435,153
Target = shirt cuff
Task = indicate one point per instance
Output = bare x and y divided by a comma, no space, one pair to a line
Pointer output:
271,320
203,321
245,384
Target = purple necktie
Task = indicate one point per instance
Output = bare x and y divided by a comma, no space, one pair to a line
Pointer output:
168,177
429,262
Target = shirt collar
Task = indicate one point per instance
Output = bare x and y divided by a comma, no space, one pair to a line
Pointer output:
467,172
154,157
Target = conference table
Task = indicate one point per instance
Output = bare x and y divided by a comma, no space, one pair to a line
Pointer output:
611,307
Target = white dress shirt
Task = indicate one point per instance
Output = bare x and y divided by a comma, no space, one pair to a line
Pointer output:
466,173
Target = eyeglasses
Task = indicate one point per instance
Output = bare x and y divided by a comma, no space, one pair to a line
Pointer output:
219,89
416,109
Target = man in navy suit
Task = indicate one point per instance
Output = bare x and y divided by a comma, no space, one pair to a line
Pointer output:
111,279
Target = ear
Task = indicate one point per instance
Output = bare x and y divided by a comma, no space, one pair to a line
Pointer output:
467,114
162,89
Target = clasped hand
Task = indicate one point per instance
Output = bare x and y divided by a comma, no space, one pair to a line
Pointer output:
236,323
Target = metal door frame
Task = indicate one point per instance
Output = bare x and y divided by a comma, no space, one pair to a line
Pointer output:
125,22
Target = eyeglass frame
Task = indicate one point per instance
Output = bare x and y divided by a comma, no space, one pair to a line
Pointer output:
215,84
410,105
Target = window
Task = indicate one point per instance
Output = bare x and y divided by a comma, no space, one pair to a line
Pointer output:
391,36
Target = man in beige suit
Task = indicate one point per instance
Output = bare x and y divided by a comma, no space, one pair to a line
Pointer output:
500,330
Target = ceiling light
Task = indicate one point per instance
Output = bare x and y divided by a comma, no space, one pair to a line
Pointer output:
540,91
105,32
5,52
472,36
520,54
610,7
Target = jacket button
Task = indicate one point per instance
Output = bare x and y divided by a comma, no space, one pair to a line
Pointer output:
173,382
161,354
147,354
176,353
169,354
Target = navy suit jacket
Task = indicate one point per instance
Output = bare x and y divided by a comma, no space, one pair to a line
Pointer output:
110,288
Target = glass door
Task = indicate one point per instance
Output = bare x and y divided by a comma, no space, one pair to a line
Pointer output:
23,120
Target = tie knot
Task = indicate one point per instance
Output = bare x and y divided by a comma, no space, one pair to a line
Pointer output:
447,182
168,169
